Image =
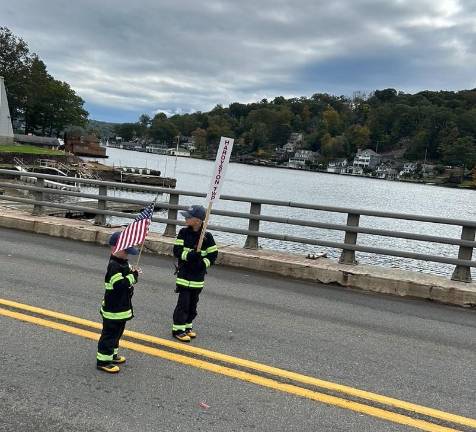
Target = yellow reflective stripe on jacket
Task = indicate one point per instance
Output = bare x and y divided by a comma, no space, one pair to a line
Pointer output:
131,278
103,357
179,242
189,284
108,286
116,278
116,315
211,249
185,252
207,262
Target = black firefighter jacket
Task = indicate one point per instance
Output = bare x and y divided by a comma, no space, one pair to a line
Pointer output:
191,273
119,285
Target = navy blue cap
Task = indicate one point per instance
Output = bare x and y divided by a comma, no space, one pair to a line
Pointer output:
195,211
115,237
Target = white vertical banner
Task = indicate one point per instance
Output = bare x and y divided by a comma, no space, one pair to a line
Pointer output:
221,164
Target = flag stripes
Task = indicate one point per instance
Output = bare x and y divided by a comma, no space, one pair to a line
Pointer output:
136,232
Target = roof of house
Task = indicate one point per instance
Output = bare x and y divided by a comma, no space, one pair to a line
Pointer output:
368,152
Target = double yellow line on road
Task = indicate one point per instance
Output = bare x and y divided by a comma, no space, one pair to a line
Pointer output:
247,376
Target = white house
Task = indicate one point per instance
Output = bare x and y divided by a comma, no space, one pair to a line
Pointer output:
408,168
386,172
294,142
301,157
338,166
6,129
366,159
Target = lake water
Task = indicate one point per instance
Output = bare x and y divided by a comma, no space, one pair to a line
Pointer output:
323,189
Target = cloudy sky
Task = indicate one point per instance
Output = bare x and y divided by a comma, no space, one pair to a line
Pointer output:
128,57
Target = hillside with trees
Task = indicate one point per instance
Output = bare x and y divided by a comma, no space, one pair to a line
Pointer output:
435,125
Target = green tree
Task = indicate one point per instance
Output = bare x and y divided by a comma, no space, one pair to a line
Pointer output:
163,130
45,105
358,137
462,152
14,67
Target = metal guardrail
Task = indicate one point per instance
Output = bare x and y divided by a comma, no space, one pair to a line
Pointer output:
351,229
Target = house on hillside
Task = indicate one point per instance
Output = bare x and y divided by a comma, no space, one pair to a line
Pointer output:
386,171
409,168
294,143
302,158
365,160
338,166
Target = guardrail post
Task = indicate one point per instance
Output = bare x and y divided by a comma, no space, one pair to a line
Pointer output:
100,219
39,196
173,215
252,241
348,256
463,273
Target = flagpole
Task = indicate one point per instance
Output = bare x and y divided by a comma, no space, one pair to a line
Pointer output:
142,245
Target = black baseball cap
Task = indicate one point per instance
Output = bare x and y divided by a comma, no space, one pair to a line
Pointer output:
195,211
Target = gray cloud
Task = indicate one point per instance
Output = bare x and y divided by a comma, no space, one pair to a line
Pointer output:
188,55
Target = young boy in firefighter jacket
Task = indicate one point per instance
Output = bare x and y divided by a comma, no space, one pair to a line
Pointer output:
192,267
116,307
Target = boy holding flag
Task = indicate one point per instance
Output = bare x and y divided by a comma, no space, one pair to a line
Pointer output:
119,281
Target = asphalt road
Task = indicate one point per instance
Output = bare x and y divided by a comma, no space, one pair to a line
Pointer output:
410,350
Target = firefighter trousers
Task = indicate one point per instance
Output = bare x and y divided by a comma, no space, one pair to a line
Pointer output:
108,344
186,309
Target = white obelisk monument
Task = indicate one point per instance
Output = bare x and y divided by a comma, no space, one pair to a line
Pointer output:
6,129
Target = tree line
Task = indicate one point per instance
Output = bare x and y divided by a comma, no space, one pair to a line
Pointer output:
38,102
437,126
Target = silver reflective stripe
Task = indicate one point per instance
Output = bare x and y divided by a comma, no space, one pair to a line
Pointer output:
207,262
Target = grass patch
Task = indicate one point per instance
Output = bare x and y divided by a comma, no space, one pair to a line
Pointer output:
30,149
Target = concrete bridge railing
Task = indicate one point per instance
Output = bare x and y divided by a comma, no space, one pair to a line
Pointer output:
349,245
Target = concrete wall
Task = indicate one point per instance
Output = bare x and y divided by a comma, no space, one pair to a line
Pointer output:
366,278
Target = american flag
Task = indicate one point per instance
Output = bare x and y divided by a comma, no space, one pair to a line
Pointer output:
136,232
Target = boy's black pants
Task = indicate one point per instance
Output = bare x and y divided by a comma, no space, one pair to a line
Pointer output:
109,341
186,309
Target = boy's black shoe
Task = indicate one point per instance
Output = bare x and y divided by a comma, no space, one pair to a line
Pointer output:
117,359
181,336
192,334
109,368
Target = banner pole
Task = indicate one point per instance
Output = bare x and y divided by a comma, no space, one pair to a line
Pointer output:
204,227
221,163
